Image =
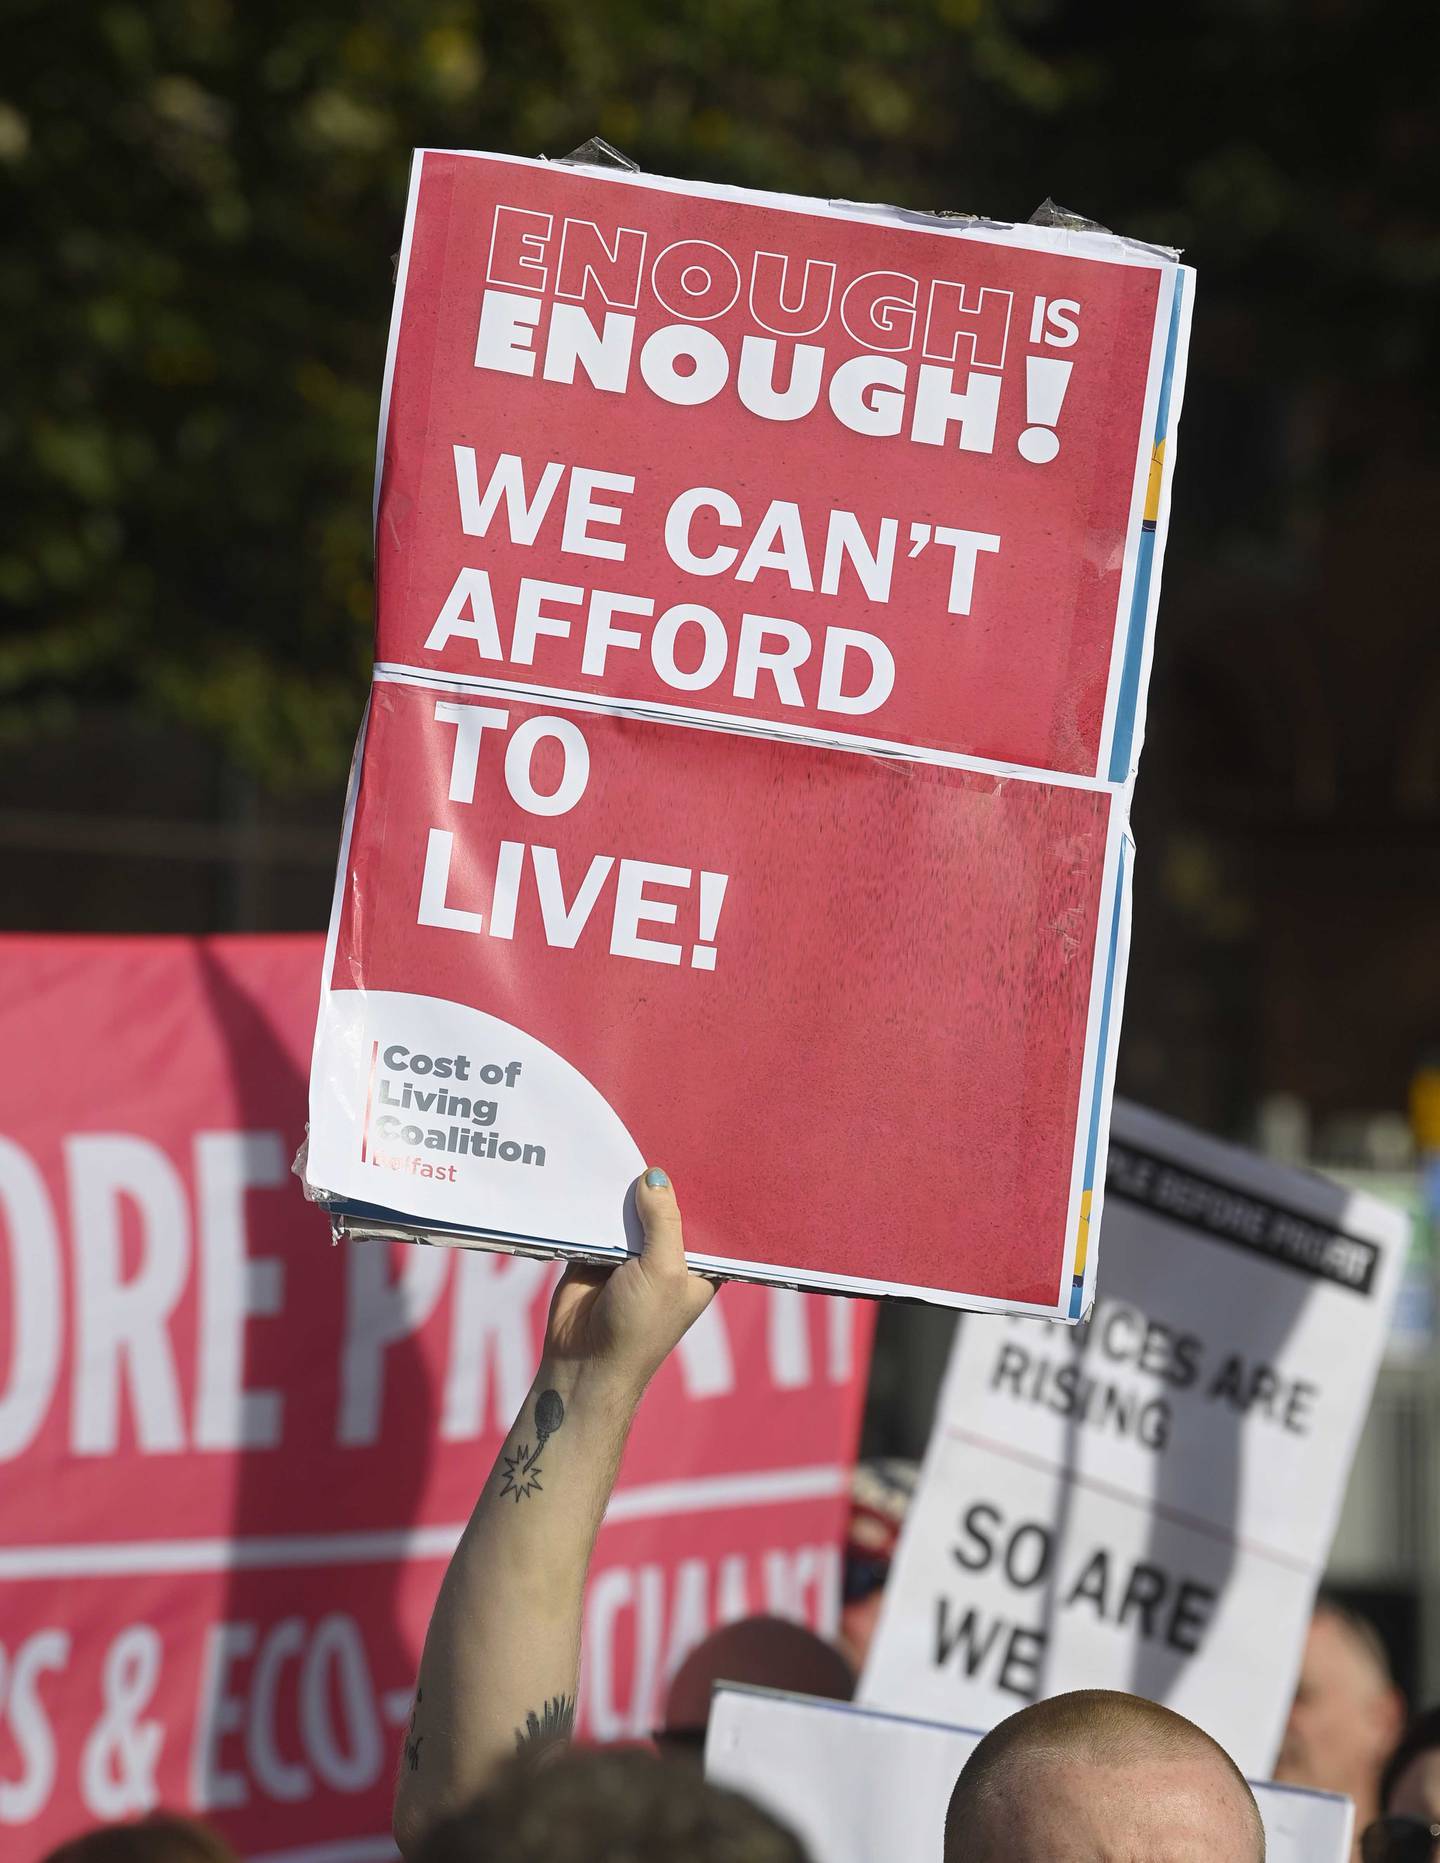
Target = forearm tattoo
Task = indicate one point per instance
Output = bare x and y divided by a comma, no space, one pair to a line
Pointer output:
521,1472
555,1722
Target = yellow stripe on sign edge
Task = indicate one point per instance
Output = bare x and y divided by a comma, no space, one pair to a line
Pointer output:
1425,1107
1083,1242
1152,490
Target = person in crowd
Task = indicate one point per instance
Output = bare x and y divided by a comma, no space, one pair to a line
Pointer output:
1347,1714
1097,1777
1087,1778
582,1807
1408,1827
767,1652
160,1838
879,1496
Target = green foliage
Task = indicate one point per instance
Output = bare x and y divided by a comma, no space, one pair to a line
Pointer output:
206,194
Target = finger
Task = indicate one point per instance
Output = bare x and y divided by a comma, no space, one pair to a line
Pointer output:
663,1246
584,1274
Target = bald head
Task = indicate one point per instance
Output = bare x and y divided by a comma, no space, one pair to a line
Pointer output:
1098,1777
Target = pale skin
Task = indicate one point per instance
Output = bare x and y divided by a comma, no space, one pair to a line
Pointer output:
502,1654
1062,1808
1345,1720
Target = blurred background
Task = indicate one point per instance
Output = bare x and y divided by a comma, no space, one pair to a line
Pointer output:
203,200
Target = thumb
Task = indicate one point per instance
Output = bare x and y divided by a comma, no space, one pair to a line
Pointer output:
663,1247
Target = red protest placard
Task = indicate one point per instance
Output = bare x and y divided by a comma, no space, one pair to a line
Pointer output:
770,458
765,601
236,1459
720,931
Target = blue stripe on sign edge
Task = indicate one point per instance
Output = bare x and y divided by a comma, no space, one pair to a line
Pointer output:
1123,741
1097,1098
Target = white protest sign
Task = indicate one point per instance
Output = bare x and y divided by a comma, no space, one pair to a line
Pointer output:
1146,1503
855,1784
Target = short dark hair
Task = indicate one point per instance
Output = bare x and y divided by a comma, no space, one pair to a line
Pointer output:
586,1807
160,1838
1419,1737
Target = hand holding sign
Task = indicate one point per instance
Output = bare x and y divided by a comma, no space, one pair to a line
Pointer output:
621,1323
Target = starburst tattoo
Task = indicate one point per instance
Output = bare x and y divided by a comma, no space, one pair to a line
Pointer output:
521,1471
555,1722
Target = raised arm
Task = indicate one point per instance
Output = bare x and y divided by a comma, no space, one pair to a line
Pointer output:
502,1653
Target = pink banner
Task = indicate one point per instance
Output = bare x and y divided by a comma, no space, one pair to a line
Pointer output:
236,1457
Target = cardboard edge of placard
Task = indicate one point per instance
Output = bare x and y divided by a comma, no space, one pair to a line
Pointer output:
355,1223
1093,242
1127,722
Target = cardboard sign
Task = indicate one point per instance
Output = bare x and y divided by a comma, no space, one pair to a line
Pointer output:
856,1784
235,1459
1147,1503
765,598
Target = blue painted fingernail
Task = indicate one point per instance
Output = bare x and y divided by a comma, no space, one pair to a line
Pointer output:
657,1179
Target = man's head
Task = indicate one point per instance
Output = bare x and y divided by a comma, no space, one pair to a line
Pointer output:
765,1652
1098,1777
160,1838
1347,1713
593,1807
